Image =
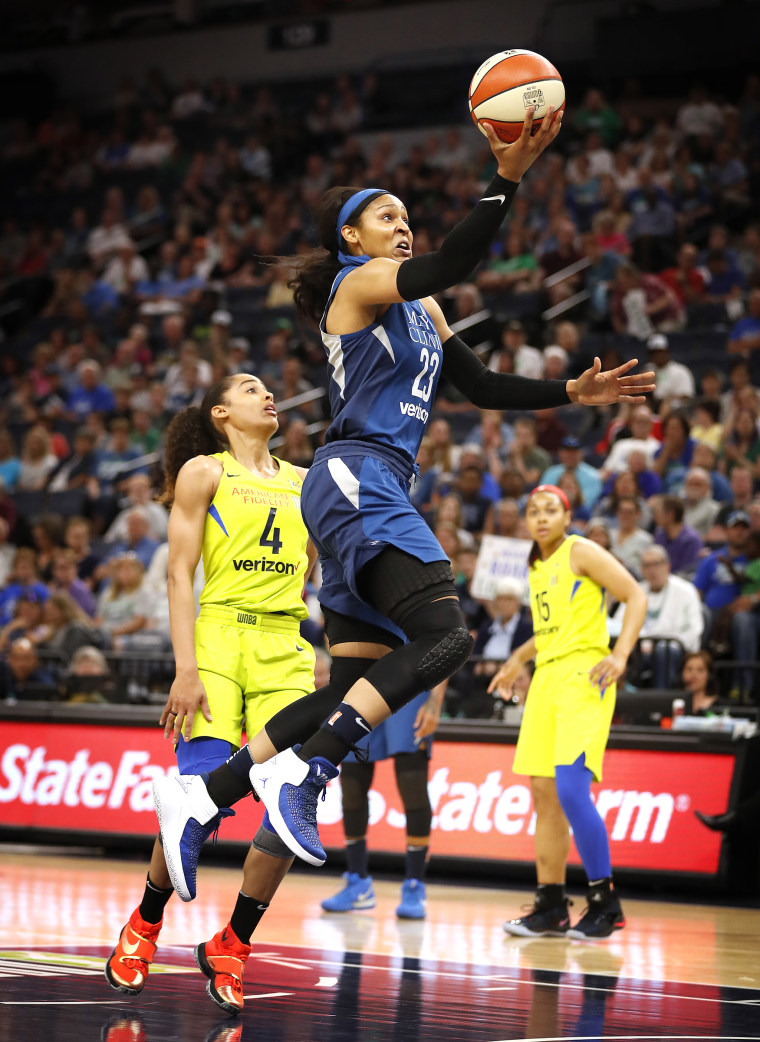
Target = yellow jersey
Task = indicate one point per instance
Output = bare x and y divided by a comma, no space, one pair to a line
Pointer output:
254,541
569,611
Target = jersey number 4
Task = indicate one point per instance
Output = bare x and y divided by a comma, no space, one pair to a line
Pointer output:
275,542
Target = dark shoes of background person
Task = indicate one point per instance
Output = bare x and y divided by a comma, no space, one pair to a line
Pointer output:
601,918
551,918
727,822
545,919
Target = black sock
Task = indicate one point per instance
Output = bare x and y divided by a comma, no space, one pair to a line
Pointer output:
246,916
416,862
553,893
230,782
333,741
357,858
154,901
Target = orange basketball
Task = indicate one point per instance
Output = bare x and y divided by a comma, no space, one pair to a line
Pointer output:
510,82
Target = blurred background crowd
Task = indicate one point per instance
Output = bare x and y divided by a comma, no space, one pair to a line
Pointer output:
142,257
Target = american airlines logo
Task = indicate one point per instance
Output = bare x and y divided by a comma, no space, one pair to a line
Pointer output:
414,410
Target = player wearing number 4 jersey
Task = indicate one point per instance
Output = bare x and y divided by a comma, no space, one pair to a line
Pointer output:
239,662
569,710
392,615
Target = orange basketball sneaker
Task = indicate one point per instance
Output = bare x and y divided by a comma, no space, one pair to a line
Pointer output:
127,966
223,960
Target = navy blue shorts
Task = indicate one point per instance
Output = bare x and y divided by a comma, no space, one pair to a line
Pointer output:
395,735
353,508
201,755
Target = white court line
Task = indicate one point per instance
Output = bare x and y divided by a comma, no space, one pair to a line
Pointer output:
635,1038
282,994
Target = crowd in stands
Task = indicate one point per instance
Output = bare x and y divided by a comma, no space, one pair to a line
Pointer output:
143,255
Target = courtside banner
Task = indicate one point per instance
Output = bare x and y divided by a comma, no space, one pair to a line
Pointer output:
88,778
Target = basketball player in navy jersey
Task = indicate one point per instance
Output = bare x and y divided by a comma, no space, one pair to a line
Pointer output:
392,616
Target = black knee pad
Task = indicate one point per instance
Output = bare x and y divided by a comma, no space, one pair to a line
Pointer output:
412,779
355,780
298,721
439,645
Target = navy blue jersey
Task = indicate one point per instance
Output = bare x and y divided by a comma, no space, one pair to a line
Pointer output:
383,378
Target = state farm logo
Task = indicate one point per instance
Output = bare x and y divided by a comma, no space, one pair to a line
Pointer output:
27,775
462,806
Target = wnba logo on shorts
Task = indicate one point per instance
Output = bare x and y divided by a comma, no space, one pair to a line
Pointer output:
334,717
246,619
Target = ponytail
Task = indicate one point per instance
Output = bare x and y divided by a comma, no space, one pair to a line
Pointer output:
192,432
315,274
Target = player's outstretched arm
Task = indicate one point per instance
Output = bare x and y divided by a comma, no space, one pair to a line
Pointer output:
489,390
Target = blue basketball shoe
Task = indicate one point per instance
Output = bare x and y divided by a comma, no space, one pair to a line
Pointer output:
412,900
187,816
289,788
358,893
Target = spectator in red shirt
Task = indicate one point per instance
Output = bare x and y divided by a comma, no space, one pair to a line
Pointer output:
684,278
641,303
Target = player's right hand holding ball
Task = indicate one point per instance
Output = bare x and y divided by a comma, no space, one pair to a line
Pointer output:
514,159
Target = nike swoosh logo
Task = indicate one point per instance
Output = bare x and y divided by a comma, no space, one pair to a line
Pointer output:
299,649
237,475
493,199
262,908
129,949
361,724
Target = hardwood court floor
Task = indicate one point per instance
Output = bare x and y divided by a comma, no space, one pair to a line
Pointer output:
676,971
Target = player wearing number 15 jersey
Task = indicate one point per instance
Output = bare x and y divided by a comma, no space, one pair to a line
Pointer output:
569,710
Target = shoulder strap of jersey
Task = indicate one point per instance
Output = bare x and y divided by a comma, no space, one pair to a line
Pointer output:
287,470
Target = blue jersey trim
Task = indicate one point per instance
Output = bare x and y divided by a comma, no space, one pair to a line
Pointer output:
215,514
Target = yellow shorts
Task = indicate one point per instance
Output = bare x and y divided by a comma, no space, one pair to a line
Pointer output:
251,667
565,715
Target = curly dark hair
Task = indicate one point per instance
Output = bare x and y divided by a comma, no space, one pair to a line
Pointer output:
192,433
315,273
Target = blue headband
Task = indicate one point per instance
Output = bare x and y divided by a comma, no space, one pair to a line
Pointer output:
352,204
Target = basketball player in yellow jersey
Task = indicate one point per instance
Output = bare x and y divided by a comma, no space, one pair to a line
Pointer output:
242,660
568,710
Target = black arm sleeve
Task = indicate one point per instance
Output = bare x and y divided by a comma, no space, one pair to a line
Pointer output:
463,247
490,390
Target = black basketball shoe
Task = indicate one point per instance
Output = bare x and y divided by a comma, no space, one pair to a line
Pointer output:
545,919
602,917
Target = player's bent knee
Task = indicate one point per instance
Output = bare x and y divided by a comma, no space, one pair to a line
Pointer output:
267,842
446,657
